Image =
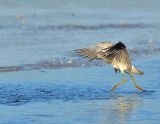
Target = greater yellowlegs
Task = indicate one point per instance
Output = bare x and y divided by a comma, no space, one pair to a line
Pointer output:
116,55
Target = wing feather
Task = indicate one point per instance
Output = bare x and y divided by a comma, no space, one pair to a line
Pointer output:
93,52
117,54
111,54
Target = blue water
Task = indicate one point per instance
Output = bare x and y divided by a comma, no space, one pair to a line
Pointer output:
42,81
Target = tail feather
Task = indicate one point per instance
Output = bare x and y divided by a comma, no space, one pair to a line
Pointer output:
137,71
140,72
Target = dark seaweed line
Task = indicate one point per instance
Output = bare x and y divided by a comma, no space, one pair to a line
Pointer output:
94,27
69,62
82,27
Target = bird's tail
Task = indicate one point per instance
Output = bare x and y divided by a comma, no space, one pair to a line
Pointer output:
137,71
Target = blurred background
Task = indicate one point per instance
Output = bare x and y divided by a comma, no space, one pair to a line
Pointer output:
43,81
37,30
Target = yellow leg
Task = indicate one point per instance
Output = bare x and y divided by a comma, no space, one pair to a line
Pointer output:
123,81
133,80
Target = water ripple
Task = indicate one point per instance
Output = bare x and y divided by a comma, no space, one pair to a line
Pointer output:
17,94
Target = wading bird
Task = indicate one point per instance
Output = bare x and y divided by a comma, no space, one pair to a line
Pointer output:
116,55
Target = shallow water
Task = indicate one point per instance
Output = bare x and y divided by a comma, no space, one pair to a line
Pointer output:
43,81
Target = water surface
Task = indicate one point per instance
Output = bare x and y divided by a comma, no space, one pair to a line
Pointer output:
43,81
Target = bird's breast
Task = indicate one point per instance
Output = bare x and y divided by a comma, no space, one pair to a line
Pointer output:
120,66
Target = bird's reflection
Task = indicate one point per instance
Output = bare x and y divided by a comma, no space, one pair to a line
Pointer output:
124,106
120,109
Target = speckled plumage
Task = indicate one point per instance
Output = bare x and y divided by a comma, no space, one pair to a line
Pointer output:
115,55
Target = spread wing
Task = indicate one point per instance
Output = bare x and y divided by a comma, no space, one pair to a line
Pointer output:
107,52
95,51
117,55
